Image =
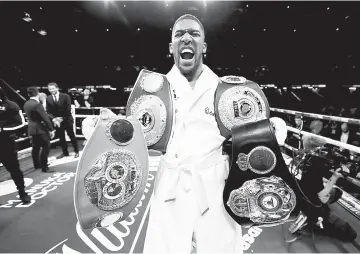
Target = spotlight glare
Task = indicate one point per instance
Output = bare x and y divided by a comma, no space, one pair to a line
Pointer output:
42,32
107,30
27,19
138,29
337,29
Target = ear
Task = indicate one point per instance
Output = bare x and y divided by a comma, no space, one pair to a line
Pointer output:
204,48
170,48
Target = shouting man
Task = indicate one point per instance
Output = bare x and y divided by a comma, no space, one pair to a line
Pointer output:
193,168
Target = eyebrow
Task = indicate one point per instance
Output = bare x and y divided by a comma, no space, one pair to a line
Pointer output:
187,30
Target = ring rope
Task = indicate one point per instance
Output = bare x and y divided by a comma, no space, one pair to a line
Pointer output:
293,149
327,140
100,108
318,116
297,131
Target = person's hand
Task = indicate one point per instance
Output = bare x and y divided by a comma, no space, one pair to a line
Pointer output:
280,128
56,123
106,113
338,173
52,134
59,119
88,126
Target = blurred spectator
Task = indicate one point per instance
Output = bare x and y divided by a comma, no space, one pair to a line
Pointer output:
299,122
85,101
311,142
294,139
122,112
345,135
330,129
354,164
354,113
343,113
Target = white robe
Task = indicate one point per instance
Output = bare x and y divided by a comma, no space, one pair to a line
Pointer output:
190,180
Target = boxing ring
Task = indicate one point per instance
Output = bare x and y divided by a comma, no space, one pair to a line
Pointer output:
59,231
347,201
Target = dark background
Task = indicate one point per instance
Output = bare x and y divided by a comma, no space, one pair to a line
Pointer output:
317,53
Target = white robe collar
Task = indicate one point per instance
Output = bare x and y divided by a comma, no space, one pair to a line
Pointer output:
207,80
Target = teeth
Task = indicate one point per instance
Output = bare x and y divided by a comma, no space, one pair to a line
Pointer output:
187,51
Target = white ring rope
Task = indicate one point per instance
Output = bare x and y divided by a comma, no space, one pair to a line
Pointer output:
100,108
317,116
327,140
293,149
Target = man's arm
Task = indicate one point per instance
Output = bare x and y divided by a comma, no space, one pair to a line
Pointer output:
48,110
68,104
324,195
17,120
44,117
77,105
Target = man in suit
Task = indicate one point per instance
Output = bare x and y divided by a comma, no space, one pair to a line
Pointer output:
40,129
58,106
346,135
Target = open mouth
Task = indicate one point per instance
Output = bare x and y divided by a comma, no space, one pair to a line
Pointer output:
187,54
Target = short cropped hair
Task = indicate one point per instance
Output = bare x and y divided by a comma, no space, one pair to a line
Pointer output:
53,84
192,17
32,91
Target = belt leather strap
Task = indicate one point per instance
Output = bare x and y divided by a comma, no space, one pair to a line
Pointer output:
260,189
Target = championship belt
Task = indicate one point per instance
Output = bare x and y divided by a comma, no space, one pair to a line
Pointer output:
112,172
151,102
238,101
260,189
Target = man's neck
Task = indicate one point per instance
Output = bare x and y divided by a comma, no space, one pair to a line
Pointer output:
193,77
35,98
